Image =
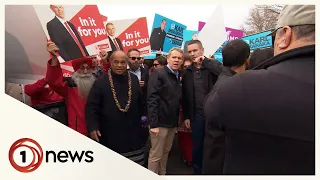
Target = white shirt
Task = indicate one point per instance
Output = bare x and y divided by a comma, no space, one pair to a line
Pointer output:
137,72
112,37
63,21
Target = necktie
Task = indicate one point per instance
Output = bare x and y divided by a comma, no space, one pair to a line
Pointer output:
75,39
116,44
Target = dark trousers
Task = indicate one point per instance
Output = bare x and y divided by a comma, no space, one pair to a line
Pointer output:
198,131
146,152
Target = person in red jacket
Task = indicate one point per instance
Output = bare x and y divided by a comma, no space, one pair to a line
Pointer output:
40,94
74,89
105,60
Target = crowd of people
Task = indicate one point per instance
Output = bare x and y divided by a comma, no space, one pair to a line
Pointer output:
254,113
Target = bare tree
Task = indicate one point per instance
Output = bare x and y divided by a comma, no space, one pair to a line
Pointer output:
262,18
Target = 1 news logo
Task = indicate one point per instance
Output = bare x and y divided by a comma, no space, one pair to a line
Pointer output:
26,155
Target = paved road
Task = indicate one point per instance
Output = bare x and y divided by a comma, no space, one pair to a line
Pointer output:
175,165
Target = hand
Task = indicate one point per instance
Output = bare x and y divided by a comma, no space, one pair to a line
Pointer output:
187,123
52,48
199,59
103,54
95,135
155,130
141,83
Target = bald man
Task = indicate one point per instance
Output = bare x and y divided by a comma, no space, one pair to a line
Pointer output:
114,110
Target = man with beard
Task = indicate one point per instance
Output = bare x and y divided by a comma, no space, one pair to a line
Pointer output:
197,81
114,110
136,68
75,89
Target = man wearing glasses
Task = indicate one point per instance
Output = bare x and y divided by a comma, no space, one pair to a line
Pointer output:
159,62
135,67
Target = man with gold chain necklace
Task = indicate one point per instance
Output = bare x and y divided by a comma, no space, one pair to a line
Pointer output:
114,109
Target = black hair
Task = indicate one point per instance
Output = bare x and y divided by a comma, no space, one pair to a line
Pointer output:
109,54
162,60
195,42
235,53
186,57
260,55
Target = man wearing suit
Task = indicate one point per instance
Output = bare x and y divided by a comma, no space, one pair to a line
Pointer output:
114,41
158,36
135,67
65,36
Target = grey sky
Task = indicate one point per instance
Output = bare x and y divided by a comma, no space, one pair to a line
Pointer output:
234,15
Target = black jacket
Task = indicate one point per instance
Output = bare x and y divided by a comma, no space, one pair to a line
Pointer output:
157,39
113,46
120,132
214,141
268,116
210,73
225,74
164,97
145,78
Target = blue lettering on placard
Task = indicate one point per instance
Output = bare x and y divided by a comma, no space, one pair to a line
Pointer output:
255,41
260,40
176,42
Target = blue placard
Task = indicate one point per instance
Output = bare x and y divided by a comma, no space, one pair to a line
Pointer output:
171,36
260,40
150,56
188,35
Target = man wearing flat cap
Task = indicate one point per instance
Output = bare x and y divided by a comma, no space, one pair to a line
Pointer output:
268,114
75,90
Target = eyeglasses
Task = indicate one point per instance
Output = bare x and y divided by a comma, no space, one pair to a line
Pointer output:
155,65
136,58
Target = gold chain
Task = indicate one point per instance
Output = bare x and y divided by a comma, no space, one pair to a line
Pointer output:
115,94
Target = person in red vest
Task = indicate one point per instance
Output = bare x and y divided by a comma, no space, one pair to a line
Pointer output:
74,89
40,94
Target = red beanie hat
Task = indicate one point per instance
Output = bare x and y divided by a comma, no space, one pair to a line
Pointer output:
77,63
